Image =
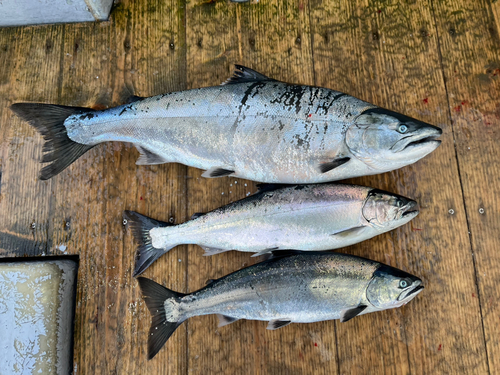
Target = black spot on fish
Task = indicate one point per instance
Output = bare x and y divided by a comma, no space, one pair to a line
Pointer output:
123,111
87,116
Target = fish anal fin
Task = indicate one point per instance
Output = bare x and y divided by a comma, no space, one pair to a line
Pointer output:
348,314
332,164
224,320
278,323
243,74
349,232
148,158
212,250
217,172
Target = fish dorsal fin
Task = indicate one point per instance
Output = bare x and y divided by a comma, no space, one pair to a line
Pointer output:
270,187
278,323
224,320
196,215
285,253
243,74
348,314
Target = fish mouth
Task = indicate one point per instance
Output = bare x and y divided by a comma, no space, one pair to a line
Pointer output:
410,209
430,140
411,294
423,138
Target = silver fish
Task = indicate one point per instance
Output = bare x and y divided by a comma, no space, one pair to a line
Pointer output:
295,288
302,217
252,127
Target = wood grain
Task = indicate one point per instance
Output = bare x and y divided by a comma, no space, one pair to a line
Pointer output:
470,46
437,61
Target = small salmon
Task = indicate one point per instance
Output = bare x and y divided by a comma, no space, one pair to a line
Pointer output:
291,288
252,127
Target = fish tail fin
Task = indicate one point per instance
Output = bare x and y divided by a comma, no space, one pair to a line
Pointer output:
146,254
48,120
163,305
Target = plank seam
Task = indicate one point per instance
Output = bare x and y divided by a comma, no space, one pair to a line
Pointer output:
461,183
311,33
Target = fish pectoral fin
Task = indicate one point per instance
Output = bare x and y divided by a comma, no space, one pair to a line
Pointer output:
349,232
224,320
243,74
332,164
264,252
148,158
217,172
212,250
278,323
348,314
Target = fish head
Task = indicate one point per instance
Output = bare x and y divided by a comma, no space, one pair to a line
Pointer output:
385,140
387,211
390,288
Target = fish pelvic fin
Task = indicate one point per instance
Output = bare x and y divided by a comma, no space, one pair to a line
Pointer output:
141,226
148,158
163,304
224,320
217,172
48,119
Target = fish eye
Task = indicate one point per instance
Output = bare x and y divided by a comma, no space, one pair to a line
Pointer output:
404,284
399,203
402,128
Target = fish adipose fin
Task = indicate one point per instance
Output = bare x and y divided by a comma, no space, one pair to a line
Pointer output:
330,165
134,98
196,215
217,172
346,315
349,232
48,120
164,316
146,254
148,158
243,74
224,320
275,324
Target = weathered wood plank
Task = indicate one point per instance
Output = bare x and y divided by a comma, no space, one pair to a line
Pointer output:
80,211
470,46
387,53
384,52
273,38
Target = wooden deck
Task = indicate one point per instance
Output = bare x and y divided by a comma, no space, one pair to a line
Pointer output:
438,61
